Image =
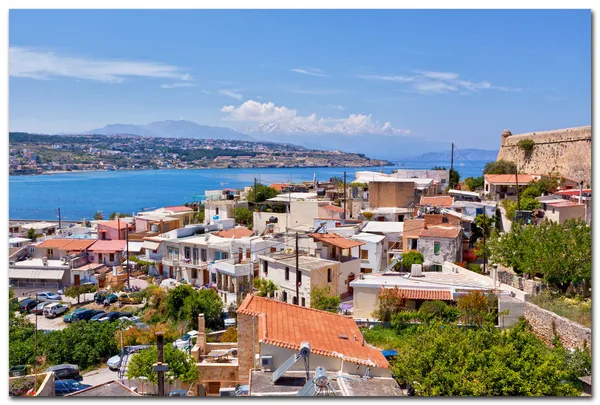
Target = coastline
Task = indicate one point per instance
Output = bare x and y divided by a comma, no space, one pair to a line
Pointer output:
52,172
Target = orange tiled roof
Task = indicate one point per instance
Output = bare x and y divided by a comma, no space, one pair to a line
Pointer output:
336,240
279,186
178,208
414,294
108,246
439,232
67,244
236,233
572,192
437,200
286,325
508,178
333,208
115,224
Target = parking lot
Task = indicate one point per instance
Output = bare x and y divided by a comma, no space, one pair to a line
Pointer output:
44,323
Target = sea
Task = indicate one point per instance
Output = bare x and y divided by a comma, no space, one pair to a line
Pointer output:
80,195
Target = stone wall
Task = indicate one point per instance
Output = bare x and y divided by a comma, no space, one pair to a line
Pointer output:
247,344
531,287
566,151
546,324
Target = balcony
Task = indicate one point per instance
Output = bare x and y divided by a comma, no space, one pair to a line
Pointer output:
154,256
230,268
170,261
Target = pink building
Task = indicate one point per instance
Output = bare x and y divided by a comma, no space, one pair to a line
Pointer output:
113,230
108,252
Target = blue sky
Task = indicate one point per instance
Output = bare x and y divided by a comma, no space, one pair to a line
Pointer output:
446,75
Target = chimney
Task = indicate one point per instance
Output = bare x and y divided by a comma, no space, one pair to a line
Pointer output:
201,338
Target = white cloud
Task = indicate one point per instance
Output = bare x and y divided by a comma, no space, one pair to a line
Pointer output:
311,72
337,107
288,120
176,85
319,92
428,82
34,64
232,94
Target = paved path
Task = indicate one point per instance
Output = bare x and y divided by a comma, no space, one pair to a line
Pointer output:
99,376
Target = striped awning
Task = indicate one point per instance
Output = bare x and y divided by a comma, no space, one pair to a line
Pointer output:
425,294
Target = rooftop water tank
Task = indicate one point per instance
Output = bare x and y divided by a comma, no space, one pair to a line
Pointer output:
273,220
215,217
200,230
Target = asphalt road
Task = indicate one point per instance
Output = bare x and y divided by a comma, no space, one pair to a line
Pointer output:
99,376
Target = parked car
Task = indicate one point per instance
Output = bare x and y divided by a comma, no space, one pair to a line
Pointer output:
69,317
55,309
64,387
48,296
132,298
99,297
28,304
185,340
86,315
111,298
65,372
132,319
60,291
18,371
39,308
178,393
109,317
229,322
115,361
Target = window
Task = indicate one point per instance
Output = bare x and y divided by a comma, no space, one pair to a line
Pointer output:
364,254
187,251
366,270
381,219
444,219
412,244
194,273
437,267
100,257
203,255
247,253
400,218
195,255
217,210
329,275
50,252
111,257
273,249
303,301
436,248
224,255
287,274
390,244
443,181
285,296
295,300
265,267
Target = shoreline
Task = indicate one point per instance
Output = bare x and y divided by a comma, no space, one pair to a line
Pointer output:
52,172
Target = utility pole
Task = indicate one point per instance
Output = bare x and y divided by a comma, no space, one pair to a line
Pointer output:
255,190
517,182
127,250
36,350
484,229
59,220
451,167
297,282
344,194
160,367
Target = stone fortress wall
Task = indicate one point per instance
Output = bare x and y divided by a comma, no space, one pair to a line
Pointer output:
565,151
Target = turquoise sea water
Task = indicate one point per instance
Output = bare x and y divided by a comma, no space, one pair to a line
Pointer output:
80,195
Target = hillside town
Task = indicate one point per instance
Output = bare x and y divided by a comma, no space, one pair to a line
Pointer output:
40,154
337,288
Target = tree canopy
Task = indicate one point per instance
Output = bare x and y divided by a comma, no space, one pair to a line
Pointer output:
454,178
181,366
500,167
411,257
184,303
474,183
243,216
321,298
262,193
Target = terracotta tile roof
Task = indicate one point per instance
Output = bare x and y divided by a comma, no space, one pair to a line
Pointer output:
115,224
336,240
439,232
573,192
333,208
108,246
178,208
437,200
236,233
279,186
413,227
414,294
67,244
508,178
286,325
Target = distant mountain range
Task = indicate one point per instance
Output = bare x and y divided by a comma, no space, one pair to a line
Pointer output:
463,155
172,129
372,145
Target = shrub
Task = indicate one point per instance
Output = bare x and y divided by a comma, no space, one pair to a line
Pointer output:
390,301
229,336
526,145
410,258
321,298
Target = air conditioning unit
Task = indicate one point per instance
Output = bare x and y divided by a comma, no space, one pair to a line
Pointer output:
415,270
266,362
227,392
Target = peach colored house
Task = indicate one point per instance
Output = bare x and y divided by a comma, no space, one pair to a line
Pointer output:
113,230
107,252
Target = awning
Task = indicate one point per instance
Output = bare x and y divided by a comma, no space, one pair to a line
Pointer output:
17,274
135,246
148,244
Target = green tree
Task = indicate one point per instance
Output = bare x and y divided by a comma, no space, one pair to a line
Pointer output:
526,204
181,366
262,193
500,167
411,257
543,186
454,179
390,301
321,298
243,216
31,234
112,216
185,304
477,308
439,310
98,216
474,183
75,291
266,288
229,336
438,168
337,181
199,216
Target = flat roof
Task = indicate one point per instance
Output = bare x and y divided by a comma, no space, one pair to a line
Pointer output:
39,225
305,262
384,227
35,262
25,274
429,280
563,203
368,237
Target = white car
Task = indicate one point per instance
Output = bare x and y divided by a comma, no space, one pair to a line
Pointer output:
54,310
185,340
114,363
48,296
230,322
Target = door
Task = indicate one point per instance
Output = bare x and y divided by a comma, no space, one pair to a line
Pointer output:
76,279
206,277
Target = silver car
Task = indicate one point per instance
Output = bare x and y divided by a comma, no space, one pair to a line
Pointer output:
114,363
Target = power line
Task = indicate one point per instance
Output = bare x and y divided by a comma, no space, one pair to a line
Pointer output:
474,165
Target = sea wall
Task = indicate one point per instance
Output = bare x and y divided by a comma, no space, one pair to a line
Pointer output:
547,324
564,151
